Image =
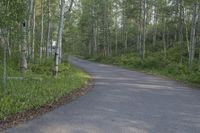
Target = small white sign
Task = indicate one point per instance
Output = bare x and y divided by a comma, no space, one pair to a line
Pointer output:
54,44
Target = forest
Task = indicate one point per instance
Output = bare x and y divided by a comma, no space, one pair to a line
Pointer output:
160,37
156,36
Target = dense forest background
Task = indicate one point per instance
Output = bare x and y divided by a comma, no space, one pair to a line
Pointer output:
152,34
102,27
141,27
160,36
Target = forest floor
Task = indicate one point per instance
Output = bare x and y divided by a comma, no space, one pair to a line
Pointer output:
123,101
39,92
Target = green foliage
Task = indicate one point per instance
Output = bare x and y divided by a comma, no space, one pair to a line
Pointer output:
12,12
38,87
156,63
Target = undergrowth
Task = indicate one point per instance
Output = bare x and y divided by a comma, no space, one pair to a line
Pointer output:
38,86
156,63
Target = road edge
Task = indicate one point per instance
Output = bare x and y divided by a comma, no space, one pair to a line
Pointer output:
34,113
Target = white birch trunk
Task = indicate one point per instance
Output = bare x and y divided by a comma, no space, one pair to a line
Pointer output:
29,25
181,22
5,68
59,37
193,35
155,26
23,62
42,32
33,33
144,30
49,29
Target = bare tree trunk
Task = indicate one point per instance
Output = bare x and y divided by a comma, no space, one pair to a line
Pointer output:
199,61
187,37
193,35
181,22
164,33
66,13
49,29
95,39
5,43
33,33
155,27
144,30
98,36
164,37
8,43
139,33
29,25
90,45
116,41
59,37
23,62
124,19
126,40
5,68
140,28
42,31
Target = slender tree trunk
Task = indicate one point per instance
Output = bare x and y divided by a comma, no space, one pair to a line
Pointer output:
98,36
193,35
155,27
29,26
199,61
95,39
116,41
66,13
6,43
164,32
5,69
59,37
90,44
33,33
144,30
116,35
140,28
164,37
177,14
187,37
42,31
126,40
109,42
23,62
139,33
124,17
49,29
181,22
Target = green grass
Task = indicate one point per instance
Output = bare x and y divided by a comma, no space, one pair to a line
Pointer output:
32,93
156,63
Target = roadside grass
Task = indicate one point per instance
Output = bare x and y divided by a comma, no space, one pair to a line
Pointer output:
38,87
156,63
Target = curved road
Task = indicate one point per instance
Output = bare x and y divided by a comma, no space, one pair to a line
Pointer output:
123,101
